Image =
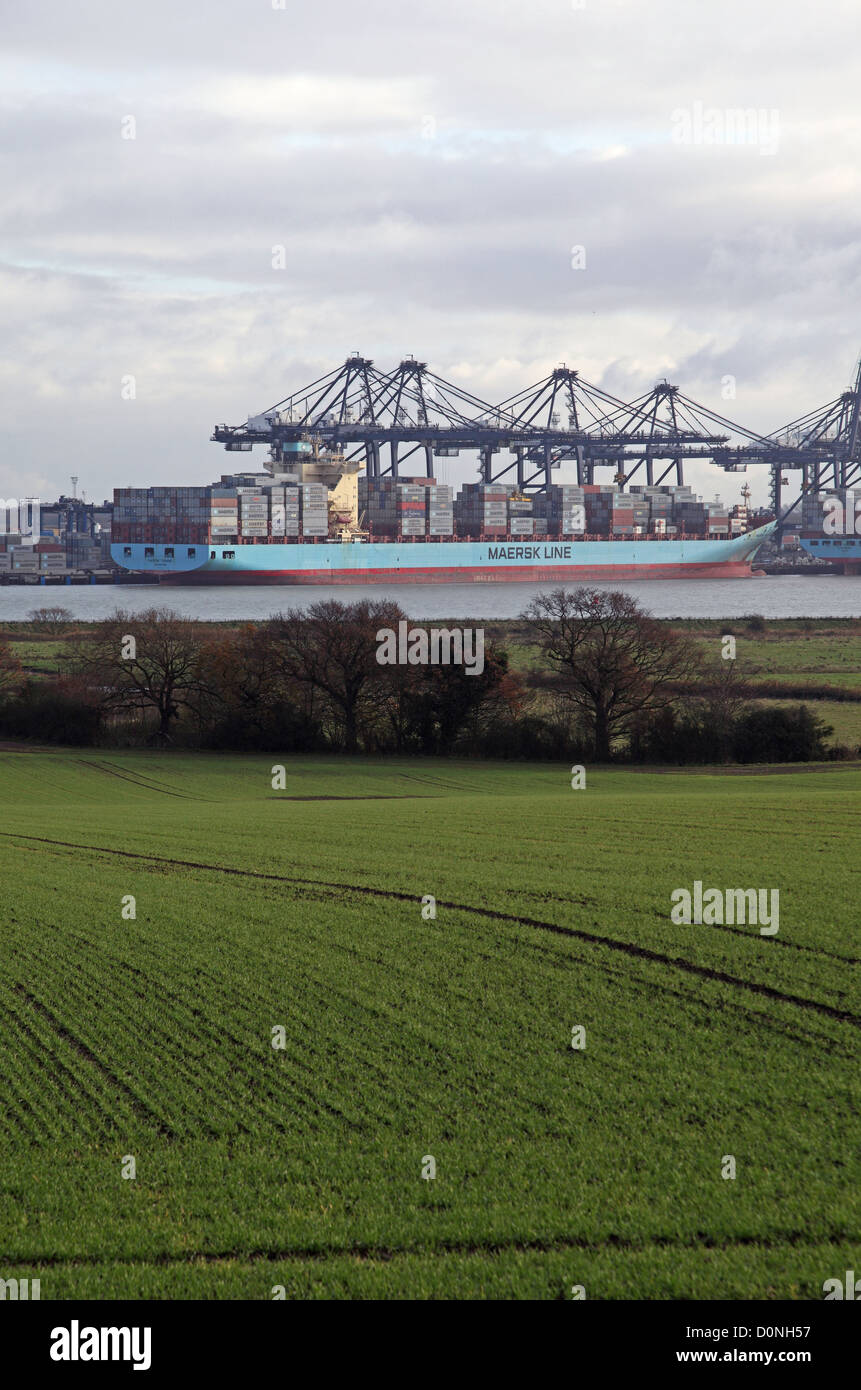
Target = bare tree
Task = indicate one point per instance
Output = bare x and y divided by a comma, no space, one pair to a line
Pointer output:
332,648
433,707
721,694
608,658
149,661
51,619
242,666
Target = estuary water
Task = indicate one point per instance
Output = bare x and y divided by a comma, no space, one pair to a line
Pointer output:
774,596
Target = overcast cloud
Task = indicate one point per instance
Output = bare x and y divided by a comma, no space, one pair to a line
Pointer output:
428,169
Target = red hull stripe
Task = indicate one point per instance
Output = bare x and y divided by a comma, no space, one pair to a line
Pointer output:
457,574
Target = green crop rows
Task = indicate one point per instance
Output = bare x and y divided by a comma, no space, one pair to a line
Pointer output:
406,1038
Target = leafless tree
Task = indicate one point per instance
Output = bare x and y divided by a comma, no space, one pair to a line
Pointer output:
332,648
608,658
150,661
51,619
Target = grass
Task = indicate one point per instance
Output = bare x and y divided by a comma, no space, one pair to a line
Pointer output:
843,716
41,657
405,1038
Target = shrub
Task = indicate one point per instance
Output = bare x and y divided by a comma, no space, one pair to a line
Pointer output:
530,738
284,729
673,736
52,618
775,735
52,712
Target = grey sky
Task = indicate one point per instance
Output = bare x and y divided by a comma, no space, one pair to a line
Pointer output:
428,170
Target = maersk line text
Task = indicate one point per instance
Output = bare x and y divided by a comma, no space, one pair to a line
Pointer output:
529,552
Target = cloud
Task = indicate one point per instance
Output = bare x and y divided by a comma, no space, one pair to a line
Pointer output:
428,173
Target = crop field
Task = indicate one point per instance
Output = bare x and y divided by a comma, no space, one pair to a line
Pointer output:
842,716
294,917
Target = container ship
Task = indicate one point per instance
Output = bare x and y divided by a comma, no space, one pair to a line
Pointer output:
831,527
326,523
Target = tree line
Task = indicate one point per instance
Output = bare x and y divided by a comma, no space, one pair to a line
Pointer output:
603,681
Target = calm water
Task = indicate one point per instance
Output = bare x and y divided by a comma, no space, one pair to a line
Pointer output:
774,596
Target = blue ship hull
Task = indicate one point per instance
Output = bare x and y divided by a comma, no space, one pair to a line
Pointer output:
840,550
444,562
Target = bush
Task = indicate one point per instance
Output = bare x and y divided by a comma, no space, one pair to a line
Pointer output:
284,729
755,622
756,735
842,753
775,735
671,736
52,712
531,739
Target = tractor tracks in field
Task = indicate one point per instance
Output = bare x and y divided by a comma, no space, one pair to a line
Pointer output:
146,784
140,1108
627,948
818,951
444,783
548,1245
366,796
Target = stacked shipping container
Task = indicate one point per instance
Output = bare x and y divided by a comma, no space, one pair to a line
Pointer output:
415,508
409,507
201,515
481,509
314,499
560,510
440,509
832,513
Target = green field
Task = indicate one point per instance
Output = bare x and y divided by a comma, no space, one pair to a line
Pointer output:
405,1038
843,716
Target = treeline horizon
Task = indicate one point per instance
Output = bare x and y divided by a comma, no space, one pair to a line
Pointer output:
609,684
